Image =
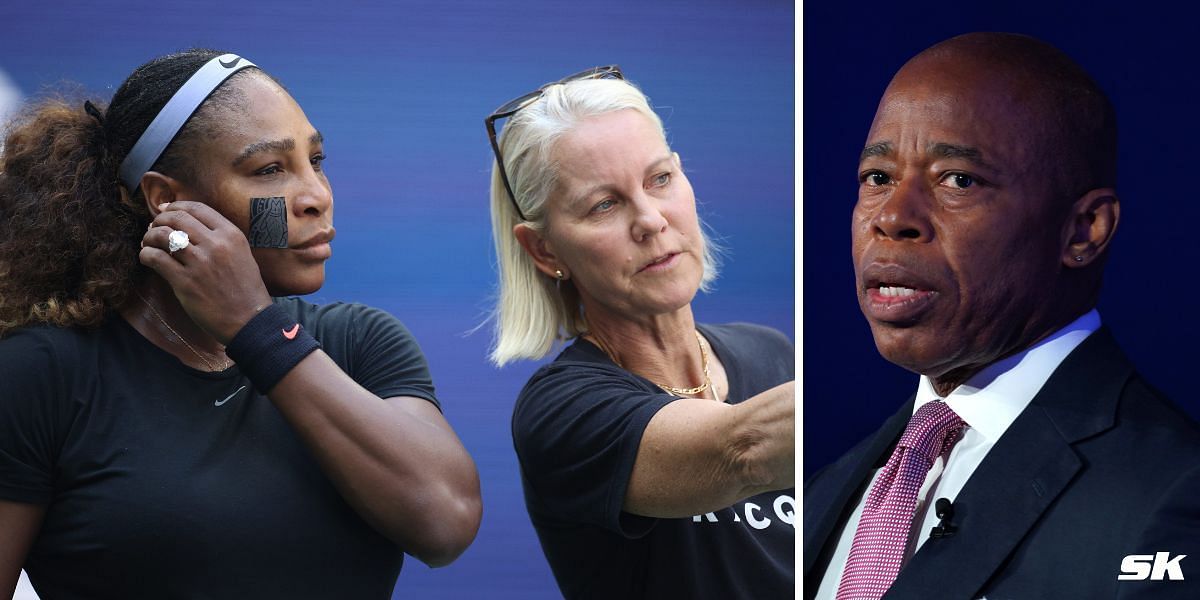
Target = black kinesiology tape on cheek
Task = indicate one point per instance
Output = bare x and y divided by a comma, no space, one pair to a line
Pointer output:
268,223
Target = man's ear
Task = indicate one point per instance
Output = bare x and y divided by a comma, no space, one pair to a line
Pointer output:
159,189
1090,227
540,251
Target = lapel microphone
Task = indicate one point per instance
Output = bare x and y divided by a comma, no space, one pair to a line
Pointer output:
945,511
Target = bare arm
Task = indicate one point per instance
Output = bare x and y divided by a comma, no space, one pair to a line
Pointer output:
698,455
396,461
20,524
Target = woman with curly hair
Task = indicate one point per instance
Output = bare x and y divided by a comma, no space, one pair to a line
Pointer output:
170,425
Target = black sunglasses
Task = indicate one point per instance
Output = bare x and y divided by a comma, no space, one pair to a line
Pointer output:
511,107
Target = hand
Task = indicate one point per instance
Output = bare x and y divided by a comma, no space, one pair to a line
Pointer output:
215,278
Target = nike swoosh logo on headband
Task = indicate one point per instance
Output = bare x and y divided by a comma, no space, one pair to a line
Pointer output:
231,64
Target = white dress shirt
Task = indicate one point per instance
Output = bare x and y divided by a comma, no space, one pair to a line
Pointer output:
988,402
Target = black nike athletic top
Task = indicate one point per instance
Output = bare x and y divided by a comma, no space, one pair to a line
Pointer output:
161,481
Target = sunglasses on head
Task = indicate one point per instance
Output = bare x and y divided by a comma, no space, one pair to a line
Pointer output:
511,107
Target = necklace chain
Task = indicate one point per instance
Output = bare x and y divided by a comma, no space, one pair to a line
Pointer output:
211,366
674,390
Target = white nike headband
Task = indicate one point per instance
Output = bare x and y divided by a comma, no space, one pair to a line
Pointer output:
177,111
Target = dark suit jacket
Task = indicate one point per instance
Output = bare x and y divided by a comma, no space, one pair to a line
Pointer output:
1098,466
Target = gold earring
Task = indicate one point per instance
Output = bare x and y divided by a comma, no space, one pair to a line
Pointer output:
559,274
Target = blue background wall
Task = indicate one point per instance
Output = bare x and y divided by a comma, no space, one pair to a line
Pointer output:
400,91
1142,56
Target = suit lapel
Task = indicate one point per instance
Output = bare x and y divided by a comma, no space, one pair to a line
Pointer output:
998,505
1031,464
830,493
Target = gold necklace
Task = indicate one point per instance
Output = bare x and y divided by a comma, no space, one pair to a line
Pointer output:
674,390
211,366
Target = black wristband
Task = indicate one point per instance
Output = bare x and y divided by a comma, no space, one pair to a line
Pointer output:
268,346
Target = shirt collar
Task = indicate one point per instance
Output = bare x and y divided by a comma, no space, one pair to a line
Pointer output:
991,400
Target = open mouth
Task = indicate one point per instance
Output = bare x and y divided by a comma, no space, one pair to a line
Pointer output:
897,304
896,291
897,294
891,293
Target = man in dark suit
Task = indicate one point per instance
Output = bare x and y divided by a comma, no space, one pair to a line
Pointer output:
986,207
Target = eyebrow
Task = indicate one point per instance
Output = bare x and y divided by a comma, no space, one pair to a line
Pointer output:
972,154
655,164
583,196
938,150
284,145
878,149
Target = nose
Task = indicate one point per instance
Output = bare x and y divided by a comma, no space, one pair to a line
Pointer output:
904,214
314,196
648,219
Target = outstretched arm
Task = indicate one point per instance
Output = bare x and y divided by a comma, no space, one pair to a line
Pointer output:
697,455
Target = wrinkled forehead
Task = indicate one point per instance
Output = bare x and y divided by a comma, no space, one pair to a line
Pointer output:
967,101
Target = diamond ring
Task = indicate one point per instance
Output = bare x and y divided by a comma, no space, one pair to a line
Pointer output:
178,240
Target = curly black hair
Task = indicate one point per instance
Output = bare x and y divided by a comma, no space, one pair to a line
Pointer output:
69,230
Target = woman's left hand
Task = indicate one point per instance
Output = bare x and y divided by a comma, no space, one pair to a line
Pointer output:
215,277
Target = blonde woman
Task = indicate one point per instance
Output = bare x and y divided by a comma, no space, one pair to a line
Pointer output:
656,452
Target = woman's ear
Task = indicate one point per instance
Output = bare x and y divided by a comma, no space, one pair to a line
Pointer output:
159,189
540,250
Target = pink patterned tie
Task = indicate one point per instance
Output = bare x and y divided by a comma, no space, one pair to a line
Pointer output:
882,535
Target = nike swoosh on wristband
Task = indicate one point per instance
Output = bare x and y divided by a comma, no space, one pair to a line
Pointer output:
291,335
227,398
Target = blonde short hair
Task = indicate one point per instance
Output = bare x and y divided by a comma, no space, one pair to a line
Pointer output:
533,310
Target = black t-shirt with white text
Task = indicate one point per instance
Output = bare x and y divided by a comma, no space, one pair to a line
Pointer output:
577,425
161,481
